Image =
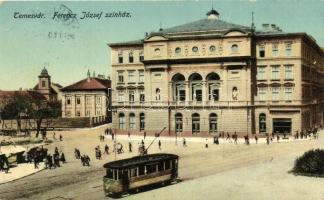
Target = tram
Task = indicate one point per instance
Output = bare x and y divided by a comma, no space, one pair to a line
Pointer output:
136,172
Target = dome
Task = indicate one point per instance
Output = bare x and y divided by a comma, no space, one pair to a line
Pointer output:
212,14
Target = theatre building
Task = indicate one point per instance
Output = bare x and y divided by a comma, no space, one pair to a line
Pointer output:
209,76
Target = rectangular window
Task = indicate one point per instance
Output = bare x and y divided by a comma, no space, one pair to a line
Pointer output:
288,49
120,57
68,101
131,57
88,100
120,77
131,122
120,96
43,83
275,72
88,113
262,93
261,73
141,56
142,97
78,100
275,93
98,100
275,50
288,72
288,93
261,51
141,76
131,96
131,76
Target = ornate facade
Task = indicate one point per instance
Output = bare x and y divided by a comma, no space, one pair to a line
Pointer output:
209,76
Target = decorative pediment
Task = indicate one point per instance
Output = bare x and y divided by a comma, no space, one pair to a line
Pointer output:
275,84
131,87
155,38
262,85
120,87
140,87
235,32
289,84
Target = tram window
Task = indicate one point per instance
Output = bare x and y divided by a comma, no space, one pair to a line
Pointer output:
134,172
119,174
115,174
167,164
109,173
141,170
150,168
160,166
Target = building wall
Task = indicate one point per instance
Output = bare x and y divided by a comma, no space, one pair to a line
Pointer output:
89,105
232,115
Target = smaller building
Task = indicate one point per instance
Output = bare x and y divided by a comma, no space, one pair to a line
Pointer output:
88,98
50,90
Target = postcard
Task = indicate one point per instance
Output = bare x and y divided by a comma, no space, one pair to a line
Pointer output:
162,100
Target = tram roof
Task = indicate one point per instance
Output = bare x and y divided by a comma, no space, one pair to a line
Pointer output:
139,160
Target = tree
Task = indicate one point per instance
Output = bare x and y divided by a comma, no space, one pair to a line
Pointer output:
16,107
42,109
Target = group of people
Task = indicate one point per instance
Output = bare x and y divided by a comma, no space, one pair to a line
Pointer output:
85,159
54,161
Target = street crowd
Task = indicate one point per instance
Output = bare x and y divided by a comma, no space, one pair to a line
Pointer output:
57,159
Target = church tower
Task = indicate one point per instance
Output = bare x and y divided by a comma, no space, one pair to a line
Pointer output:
44,83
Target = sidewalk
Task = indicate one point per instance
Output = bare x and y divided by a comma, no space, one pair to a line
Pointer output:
20,171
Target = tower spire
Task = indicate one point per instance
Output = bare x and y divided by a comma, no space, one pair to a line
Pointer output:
252,24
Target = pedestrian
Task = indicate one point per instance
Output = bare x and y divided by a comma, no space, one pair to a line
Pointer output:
130,146
128,134
63,158
256,139
54,137
6,166
278,138
268,140
99,154
56,157
76,153
112,136
160,144
206,145
50,161
61,137
184,143
87,160
36,162
106,149
228,136
235,137
144,135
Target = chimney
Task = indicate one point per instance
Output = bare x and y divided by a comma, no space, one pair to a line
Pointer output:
265,27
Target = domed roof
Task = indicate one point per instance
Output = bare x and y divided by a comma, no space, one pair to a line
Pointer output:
212,12
44,72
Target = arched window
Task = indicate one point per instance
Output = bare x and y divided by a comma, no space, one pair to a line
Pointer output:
157,94
262,123
142,121
120,57
177,50
179,87
195,80
195,123
234,93
178,122
121,118
213,122
131,121
213,82
234,48
131,57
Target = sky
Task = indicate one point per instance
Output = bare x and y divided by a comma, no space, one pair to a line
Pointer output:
69,48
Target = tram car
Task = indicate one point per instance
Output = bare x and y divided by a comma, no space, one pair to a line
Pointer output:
136,172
